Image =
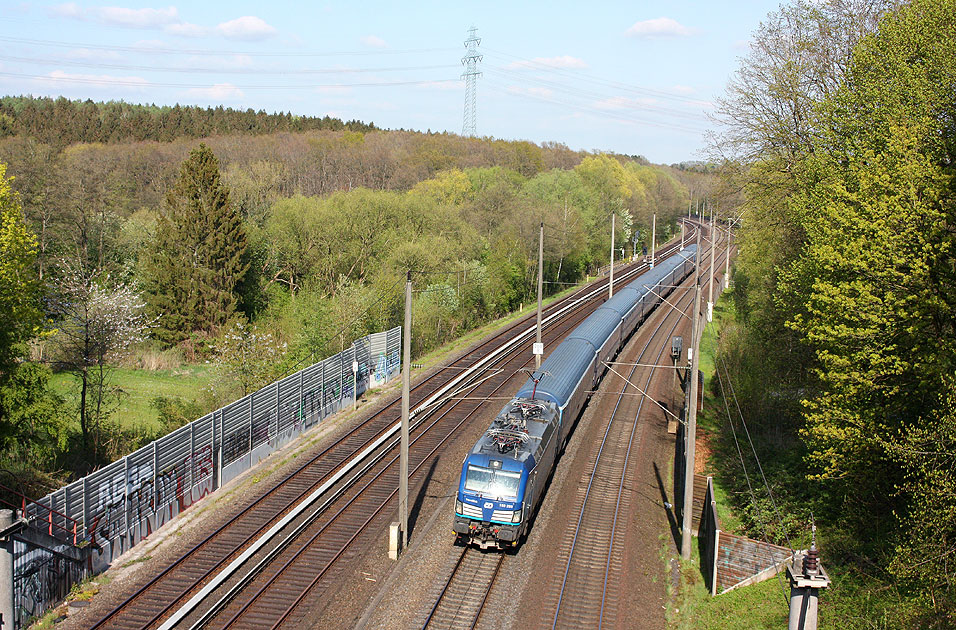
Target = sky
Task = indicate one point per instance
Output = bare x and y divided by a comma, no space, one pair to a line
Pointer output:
633,77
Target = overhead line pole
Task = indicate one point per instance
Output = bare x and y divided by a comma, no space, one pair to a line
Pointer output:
653,237
537,338
406,381
710,284
690,433
727,259
610,285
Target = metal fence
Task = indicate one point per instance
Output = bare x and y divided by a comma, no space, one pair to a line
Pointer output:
123,503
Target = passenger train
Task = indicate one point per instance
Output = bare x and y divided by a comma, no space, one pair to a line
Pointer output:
503,477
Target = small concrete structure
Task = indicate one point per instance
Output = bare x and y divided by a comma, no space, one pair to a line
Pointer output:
394,540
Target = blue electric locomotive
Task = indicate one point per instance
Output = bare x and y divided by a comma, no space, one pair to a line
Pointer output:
503,477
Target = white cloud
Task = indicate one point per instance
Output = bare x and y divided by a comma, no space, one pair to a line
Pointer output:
57,77
218,92
120,16
564,61
682,89
659,27
186,29
248,27
374,42
68,9
137,18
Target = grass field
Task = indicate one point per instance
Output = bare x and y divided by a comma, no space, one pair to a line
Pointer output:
139,387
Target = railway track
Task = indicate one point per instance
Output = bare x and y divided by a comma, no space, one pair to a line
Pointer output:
461,597
587,593
158,602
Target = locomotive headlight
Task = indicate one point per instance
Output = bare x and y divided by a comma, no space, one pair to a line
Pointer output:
516,517
458,507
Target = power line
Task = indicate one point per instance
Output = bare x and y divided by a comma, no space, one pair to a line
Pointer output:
195,51
180,69
565,89
599,112
543,65
753,495
133,82
757,459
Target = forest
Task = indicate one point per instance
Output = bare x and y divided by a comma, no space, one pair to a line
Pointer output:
258,252
62,122
838,148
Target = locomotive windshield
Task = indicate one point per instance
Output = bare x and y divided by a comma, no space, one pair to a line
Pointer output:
495,483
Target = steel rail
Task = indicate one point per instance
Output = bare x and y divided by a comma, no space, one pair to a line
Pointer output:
674,309
251,574
587,492
224,600
348,462
436,399
375,513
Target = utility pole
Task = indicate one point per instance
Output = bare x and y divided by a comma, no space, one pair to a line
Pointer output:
653,237
610,285
537,348
691,430
8,526
710,285
683,229
805,587
727,260
470,75
406,381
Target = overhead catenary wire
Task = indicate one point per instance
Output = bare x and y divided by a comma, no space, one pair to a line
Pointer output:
753,495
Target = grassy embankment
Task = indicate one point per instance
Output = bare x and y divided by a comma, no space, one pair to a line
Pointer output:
757,607
861,594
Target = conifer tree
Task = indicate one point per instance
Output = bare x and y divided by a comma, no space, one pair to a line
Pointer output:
198,259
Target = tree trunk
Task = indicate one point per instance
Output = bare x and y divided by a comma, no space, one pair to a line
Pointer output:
84,427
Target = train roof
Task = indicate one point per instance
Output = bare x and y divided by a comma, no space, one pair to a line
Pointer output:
624,300
597,327
516,433
572,357
566,364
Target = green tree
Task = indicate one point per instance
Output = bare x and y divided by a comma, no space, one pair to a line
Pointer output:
199,255
879,291
20,316
98,320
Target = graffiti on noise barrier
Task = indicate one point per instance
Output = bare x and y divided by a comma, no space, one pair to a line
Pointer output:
124,500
